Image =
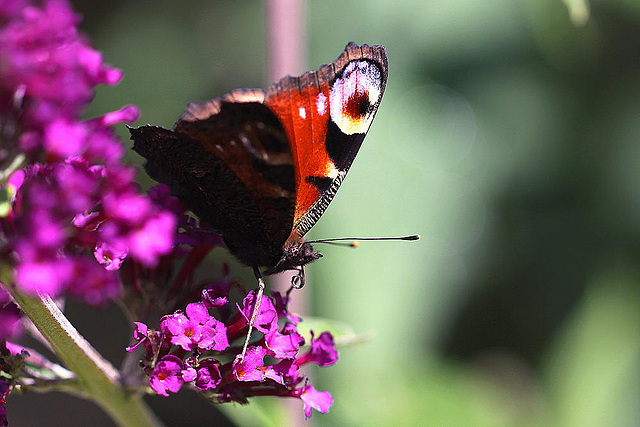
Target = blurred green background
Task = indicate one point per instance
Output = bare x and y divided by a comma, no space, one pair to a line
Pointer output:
508,138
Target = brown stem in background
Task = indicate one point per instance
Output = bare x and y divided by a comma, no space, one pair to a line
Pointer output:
286,55
286,38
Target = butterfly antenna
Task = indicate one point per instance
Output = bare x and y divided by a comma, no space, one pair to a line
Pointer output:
353,241
256,307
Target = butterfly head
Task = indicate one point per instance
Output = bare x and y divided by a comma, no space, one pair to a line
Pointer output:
296,253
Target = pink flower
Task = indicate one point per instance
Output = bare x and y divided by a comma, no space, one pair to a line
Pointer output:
167,375
314,399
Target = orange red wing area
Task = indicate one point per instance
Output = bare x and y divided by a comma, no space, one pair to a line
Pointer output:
303,109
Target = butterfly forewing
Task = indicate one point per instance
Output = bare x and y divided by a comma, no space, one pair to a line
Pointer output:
326,114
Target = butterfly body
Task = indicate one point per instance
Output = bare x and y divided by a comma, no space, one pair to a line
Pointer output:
261,166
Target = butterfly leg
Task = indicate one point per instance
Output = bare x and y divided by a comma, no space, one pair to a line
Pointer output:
255,309
297,281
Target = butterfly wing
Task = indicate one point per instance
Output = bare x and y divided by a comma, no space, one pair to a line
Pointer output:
261,167
326,114
230,162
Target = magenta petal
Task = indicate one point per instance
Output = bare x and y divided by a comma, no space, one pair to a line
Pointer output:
267,317
110,256
139,334
189,374
65,138
127,114
251,368
47,277
284,345
284,372
130,208
214,336
208,375
322,352
181,331
154,239
167,375
318,400
198,312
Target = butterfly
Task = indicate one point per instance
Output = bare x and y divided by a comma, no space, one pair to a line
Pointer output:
261,166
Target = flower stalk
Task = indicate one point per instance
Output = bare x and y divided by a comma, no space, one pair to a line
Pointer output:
96,378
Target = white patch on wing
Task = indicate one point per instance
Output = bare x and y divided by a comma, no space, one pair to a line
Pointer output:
360,81
302,112
332,171
321,104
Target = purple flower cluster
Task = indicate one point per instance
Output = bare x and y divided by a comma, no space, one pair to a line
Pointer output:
73,222
75,213
52,69
194,348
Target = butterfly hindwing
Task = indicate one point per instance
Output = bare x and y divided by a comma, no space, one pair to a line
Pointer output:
233,169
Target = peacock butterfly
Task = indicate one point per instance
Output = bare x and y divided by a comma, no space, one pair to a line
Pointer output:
261,167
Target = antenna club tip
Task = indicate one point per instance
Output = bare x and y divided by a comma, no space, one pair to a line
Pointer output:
355,244
412,237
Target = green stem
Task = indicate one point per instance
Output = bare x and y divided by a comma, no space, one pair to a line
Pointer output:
99,381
